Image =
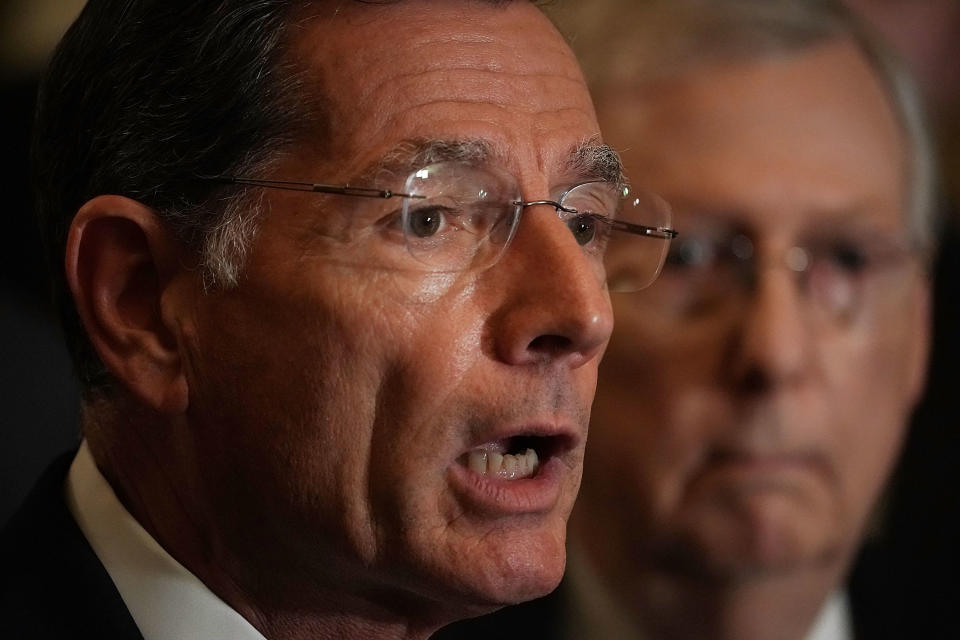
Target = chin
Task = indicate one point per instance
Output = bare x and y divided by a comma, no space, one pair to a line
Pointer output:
741,545
509,567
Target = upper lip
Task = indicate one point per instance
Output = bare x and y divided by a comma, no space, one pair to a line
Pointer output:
562,435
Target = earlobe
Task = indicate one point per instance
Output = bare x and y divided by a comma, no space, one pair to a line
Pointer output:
120,259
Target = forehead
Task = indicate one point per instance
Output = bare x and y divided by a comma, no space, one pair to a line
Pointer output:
779,141
458,70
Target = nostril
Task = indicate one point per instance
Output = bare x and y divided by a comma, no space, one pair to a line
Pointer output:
550,344
754,381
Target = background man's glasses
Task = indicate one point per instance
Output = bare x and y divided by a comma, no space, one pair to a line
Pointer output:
839,274
453,216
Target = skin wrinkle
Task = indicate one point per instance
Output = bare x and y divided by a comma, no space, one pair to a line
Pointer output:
468,361
385,85
398,118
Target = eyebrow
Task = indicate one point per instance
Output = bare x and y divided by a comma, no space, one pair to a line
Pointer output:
586,161
592,161
416,153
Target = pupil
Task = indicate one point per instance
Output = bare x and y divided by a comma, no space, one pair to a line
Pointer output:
584,229
849,258
424,223
688,253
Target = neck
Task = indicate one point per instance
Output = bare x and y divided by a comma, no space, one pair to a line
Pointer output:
666,603
782,607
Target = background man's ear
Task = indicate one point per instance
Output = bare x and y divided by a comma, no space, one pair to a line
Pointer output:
120,258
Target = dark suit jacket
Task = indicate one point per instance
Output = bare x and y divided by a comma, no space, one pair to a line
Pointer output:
540,619
51,583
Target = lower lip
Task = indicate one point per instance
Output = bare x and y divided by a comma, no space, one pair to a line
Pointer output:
493,497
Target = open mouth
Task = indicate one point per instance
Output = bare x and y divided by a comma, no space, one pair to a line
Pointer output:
514,458
524,471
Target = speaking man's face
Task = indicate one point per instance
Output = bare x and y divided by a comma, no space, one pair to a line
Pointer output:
343,397
753,399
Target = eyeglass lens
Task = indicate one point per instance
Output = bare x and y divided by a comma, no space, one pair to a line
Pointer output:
707,272
632,260
466,215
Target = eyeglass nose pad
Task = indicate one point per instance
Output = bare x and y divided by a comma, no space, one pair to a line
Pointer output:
522,205
797,259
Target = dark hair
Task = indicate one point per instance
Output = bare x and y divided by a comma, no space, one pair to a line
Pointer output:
143,96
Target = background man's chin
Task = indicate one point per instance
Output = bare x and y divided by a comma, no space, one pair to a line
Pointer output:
736,553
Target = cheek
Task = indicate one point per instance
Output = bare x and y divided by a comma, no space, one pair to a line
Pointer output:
653,417
434,375
291,379
867,382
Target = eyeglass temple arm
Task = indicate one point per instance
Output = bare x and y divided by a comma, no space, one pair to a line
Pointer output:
619,225
346,190
643,230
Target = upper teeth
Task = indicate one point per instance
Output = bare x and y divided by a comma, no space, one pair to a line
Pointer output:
505,466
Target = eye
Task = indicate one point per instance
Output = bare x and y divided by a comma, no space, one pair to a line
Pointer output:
688,253
848,257
426,222
584,228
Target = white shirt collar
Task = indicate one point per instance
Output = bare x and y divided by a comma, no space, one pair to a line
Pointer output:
834,622
165,600
594,613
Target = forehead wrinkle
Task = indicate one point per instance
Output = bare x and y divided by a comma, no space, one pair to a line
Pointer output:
462,85
472,40
464,52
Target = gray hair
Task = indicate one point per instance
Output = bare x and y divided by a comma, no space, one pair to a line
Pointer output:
624,42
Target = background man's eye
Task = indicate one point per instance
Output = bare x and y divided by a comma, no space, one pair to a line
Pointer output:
425,222
848,257
687,253
584,228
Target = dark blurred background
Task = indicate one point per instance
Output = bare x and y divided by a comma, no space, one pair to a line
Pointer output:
918,542
39,410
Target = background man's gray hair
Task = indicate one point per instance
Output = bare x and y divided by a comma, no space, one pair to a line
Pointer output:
623,43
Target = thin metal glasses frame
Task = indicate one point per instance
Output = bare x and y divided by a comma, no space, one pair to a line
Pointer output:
663,233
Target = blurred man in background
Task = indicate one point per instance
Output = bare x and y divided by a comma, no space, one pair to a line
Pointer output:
753,400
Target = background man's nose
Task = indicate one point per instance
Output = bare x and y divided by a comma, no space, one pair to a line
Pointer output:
770,345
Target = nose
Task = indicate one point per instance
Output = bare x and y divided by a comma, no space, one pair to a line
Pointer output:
771,346
554,305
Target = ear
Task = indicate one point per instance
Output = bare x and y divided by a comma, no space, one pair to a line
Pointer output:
120,260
